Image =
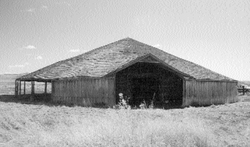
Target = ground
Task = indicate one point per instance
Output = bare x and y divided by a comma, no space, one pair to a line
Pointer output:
38,124
27,123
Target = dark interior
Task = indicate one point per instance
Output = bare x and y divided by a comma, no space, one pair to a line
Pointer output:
144,89
149,82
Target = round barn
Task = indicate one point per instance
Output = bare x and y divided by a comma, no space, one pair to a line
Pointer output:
140,72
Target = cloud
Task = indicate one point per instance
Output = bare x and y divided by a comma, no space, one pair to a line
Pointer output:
28,47
63,3
157,45
74,50
39,57
19,65
30,10
33,10
31,47
26,63
44,7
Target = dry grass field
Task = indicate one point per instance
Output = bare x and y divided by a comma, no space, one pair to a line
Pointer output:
45,125
7,84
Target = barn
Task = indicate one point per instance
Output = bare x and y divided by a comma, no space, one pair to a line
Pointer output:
139,71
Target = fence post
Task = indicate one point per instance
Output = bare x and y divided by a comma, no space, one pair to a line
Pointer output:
243,90
16,88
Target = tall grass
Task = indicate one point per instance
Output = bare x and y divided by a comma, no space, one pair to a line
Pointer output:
27,125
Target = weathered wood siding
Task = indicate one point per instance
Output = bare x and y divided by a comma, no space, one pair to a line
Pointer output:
209,92
84,91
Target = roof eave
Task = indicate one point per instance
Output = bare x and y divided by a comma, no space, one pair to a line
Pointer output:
36,79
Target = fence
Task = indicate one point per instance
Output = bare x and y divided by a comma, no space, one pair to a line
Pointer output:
243,90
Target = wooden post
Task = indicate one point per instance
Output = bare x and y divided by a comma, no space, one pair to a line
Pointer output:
16,88
52,87
184,93
20,88
24,88
32,90
45,88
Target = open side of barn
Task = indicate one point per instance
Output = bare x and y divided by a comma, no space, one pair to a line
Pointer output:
39,88
148,80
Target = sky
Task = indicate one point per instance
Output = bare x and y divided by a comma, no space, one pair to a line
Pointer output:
212,33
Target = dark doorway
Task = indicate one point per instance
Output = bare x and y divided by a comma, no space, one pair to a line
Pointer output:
149,81
144,89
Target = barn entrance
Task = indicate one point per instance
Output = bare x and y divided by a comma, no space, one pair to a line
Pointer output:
144,89
149,82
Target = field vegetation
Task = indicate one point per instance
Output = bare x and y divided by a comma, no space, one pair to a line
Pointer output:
7,84
42,124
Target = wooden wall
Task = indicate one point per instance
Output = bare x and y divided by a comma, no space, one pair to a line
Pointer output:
209,92
85,91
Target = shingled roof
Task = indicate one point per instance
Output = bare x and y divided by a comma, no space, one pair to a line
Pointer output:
109,58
